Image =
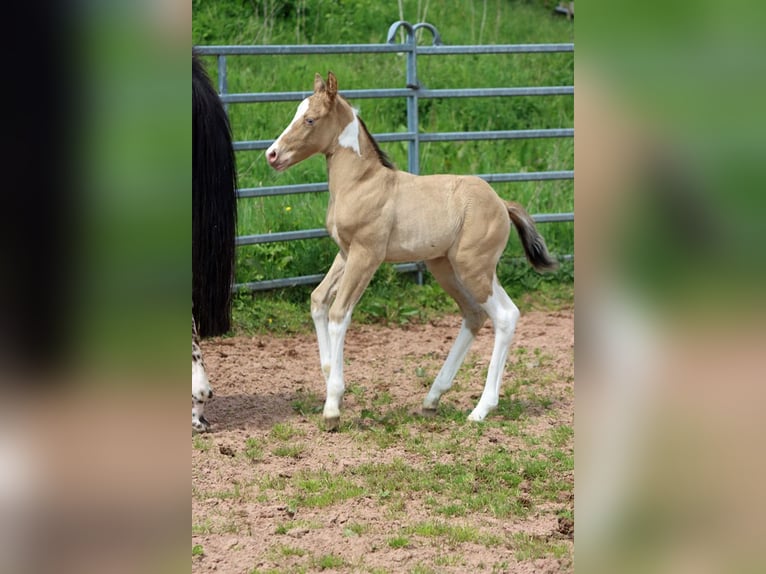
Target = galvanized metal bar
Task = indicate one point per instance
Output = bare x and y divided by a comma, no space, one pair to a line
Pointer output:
274,190
289,49
529,176
281,236
553,217
253,98
497,135
288,282
439,137
292,50
223,81
496,49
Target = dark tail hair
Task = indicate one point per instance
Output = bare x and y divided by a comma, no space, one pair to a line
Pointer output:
531,240
214,207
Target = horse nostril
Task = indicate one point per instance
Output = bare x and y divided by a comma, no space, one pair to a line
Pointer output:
272,155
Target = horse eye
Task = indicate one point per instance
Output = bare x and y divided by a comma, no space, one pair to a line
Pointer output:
309,121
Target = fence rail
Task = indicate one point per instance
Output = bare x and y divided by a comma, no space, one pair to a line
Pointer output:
412,92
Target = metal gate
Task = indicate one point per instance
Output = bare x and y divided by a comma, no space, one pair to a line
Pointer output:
412,92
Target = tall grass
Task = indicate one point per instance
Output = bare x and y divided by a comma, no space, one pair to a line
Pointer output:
367,21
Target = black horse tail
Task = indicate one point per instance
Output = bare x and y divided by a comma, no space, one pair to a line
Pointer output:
531,240
214,207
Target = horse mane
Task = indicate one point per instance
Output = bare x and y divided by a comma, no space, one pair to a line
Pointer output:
382,156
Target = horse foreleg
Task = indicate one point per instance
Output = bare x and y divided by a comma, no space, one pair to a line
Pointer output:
360,267
320,304
504,315
201,391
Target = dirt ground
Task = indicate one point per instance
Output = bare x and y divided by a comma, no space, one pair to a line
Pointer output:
267,436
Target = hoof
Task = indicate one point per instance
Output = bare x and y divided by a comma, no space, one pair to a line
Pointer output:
200,425
475,418
331,424
429,413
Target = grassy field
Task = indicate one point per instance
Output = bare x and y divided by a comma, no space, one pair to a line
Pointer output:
367,21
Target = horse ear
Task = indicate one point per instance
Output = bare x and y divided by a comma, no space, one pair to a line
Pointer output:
332,85
318,83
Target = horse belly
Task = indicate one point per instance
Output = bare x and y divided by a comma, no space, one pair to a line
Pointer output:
420,240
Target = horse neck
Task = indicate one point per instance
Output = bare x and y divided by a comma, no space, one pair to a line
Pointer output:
346,165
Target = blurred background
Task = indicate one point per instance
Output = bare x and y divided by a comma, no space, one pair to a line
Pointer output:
669,155
669,198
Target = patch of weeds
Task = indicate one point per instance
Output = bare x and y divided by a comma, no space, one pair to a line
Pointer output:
273,483
398,542
357,391
253,450
328,561
535,469
509,408
292,570
421,568
319,489
448,411
204,528
512,429
395,477
197,550
235,493
452,510
307,403
354,529
454,534
449,560
230,527
561,435
285,550
201,443
382,399
284,431
286,527
529,547
289,451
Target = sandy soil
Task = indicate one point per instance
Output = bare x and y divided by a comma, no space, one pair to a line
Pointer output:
241,522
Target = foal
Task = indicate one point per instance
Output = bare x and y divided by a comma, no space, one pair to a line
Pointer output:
457,224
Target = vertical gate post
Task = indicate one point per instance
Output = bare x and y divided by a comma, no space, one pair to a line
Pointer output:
223,82
413,150
413,121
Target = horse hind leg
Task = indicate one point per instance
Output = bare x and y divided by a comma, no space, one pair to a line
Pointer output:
473,318
201,391
504,315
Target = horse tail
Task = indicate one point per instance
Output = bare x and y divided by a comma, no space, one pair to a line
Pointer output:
214,207
531,240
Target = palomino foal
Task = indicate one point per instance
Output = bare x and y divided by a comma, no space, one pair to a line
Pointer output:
456,224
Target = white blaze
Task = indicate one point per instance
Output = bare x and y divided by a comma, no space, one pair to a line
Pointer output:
300,112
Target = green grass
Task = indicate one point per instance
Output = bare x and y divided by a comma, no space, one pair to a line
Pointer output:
326,21
253,449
